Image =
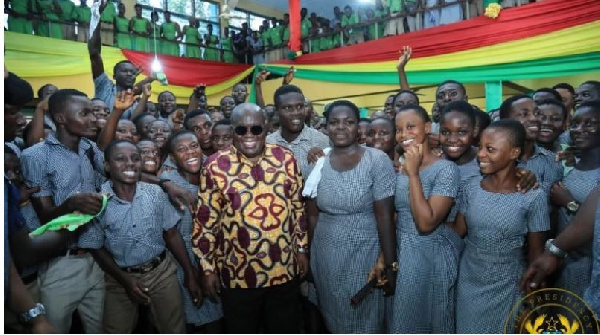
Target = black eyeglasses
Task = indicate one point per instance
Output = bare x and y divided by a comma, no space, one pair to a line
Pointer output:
255,130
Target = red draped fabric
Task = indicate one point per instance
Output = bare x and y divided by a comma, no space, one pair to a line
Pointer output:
512,24
295,25
187,71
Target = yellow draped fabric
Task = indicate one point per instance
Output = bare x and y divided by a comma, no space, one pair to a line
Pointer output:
66,64
576,40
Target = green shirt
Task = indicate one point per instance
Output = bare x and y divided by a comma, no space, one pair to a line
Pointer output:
264,37
109,14
325,43
395,5
20,6
67,9
306,25
315,45
82,14
347,21
275,35
286,33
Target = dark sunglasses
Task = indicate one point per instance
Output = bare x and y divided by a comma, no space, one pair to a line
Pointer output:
255,130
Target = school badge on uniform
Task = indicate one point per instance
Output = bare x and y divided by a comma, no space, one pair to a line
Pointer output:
552,311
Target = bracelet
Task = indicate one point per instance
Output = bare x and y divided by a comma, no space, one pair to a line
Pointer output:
554,250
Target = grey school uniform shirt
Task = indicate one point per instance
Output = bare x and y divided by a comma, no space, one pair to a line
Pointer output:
309,138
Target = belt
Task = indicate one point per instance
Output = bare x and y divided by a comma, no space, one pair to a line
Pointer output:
29,279
148,266
76,252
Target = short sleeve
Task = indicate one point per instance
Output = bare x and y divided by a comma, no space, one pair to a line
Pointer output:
538,215
170,216
93,235
384,176
103,89
33,166
447,180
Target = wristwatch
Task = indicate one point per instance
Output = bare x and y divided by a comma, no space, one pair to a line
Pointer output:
572,207
33,313
303,250
553,249
394,267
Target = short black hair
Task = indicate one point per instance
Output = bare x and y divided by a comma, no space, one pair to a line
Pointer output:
461,107
40,91
364,119
112,145
176,135
165,92
462,87
550,91
347,7
387,120
482,118
193,114
564,86
405,91
516,130
137,121
594,83
418,109
225,97
285,89
116,67
224,122
341,103
506,106
556,103
57,101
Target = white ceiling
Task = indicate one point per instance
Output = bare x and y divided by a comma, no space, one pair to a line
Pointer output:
323,8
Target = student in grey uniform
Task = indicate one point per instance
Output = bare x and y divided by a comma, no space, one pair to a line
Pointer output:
293,132
425,191
539,160
352,223
128,241
575,188
67,167
184,149
497,220
382,135
584,229
554,117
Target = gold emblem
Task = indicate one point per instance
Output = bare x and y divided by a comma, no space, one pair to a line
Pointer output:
552,311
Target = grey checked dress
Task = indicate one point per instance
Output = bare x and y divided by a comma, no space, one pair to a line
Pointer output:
345,245
208,311
575,274
493,261
426,282
592,294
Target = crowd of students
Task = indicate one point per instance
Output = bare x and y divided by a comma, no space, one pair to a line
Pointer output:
219,221
57,18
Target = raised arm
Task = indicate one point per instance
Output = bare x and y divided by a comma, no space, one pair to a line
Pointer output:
402,61
95,49
123,101
260,78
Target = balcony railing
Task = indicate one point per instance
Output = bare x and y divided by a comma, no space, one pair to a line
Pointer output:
339,37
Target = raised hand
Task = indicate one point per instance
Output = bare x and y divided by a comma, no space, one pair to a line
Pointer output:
124,100
405,54
289,76
413,157
262,76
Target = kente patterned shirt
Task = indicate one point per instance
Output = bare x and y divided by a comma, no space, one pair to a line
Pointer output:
250,220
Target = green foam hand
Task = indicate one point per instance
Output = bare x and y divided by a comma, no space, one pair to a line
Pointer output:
70,221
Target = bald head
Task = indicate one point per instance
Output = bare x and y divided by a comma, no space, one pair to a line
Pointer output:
244,110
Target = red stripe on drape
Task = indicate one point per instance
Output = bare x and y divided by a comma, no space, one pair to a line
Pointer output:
512,24
187,71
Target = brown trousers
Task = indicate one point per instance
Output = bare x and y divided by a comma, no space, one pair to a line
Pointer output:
121,313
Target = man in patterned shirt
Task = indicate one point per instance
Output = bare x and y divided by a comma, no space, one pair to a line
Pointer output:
250,233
